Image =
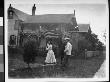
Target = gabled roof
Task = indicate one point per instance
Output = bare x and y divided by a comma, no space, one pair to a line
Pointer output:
83,27
47,18
50,18
21,15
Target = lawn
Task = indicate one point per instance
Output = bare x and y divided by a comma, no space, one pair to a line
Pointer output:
78,68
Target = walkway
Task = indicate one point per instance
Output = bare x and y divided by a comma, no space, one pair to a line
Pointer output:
101,72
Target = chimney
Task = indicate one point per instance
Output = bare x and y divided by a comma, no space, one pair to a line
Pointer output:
74,12
10,5
33,10
10,12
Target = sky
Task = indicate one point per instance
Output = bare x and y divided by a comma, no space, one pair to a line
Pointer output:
93,12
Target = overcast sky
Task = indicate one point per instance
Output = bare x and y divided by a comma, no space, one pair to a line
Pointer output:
93,12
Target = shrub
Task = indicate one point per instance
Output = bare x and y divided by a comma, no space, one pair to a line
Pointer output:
29,51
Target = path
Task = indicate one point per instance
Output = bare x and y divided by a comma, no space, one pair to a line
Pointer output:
101,72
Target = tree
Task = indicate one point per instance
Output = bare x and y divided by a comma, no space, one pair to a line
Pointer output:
104,35
96,43
100,45
29,51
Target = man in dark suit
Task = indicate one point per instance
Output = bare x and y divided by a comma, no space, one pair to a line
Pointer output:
62,51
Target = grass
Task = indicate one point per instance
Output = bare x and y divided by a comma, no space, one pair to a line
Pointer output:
78,68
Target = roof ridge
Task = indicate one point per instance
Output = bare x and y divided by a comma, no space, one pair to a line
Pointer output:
52,14
83,23
20,11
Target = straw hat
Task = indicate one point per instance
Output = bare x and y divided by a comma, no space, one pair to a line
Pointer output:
66,38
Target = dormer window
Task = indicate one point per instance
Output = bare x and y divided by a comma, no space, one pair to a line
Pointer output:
10,14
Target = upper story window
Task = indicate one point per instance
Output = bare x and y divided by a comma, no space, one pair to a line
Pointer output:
10,14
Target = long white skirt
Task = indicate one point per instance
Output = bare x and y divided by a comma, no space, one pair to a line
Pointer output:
50,58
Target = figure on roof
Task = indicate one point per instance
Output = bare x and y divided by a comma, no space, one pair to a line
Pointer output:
33,10
74,12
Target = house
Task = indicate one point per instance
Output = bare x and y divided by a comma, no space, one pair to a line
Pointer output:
34,23
53,26
15,16
79,35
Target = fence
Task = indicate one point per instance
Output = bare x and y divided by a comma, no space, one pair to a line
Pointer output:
93,53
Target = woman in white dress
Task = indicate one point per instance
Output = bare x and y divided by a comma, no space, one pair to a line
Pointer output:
50,58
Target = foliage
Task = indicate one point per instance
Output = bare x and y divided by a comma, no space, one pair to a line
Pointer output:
91,42
29,50
100,46
83,44
104,35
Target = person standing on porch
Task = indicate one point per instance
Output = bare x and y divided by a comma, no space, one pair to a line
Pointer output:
68,49
50,58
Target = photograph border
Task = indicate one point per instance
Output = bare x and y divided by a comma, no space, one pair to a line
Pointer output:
52,79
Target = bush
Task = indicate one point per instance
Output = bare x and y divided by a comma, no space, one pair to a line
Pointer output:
29,51
100,46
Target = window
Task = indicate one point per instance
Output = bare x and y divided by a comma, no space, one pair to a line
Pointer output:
10,15
12,40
